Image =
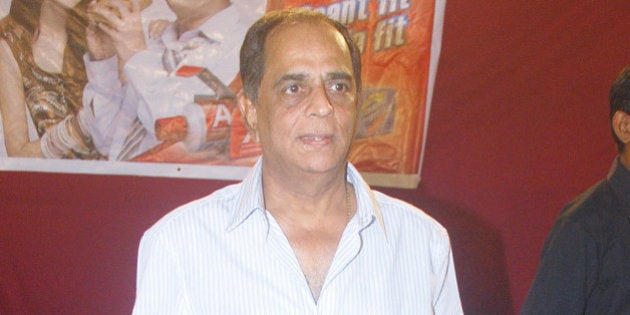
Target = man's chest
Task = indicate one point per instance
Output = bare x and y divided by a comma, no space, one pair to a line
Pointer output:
266,278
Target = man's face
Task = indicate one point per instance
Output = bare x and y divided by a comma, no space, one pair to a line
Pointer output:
305,113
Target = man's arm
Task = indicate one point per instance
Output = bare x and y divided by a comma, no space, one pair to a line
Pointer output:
103,94
447,299
102,99
158,281
562,283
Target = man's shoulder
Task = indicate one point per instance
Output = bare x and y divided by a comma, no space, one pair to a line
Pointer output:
596,202
213,210
593,212
401,215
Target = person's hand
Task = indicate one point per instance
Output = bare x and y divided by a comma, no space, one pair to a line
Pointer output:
122,24
100,45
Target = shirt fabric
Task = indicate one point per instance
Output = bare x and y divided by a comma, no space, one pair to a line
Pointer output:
152,90
585,263
224,254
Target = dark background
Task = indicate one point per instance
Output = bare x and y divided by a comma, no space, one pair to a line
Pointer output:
518,127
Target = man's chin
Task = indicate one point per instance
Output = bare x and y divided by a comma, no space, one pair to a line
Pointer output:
324,166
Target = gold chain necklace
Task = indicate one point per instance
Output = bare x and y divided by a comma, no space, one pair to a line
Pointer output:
348,204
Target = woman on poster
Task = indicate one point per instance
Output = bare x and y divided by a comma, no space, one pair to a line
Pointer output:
41,47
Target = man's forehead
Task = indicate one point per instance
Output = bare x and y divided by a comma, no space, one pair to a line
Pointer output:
291,28
303,35
288,48
304,76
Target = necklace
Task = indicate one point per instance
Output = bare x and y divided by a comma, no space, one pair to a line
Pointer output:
348,204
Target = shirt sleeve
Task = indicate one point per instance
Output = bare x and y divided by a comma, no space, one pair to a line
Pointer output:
562,281
447,299
102,100
159,287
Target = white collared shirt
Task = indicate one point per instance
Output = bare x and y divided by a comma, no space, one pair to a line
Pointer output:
224,254
151,90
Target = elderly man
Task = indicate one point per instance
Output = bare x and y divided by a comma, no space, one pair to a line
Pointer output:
303,233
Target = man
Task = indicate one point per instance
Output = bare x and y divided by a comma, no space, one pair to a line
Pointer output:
585,264
136,75
303,233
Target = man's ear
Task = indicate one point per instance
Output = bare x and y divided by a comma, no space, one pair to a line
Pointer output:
249,114
621,126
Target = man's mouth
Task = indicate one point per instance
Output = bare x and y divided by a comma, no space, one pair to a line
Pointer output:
316,139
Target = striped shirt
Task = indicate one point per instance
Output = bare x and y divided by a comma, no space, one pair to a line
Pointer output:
224,254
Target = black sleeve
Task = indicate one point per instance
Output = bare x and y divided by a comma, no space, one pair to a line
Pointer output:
565,274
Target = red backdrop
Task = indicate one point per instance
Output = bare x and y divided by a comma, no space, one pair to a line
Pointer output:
518,127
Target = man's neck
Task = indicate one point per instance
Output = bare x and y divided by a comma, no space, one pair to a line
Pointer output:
308,198
312,212
624,158
187,20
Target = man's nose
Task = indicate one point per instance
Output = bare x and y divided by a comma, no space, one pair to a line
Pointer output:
319,104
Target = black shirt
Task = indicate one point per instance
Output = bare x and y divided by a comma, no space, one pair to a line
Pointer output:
585,262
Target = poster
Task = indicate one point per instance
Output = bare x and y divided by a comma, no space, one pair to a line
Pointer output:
170,110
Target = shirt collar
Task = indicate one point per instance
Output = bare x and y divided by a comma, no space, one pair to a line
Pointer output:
215,27
367,206
619,177
251,198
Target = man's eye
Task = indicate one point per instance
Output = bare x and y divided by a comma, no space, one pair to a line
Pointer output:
341,86
292,89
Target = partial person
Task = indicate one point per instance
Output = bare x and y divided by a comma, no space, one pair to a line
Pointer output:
41,47
584,267
137,77
302,233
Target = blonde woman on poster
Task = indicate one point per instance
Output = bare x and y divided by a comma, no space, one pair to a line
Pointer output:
41,46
